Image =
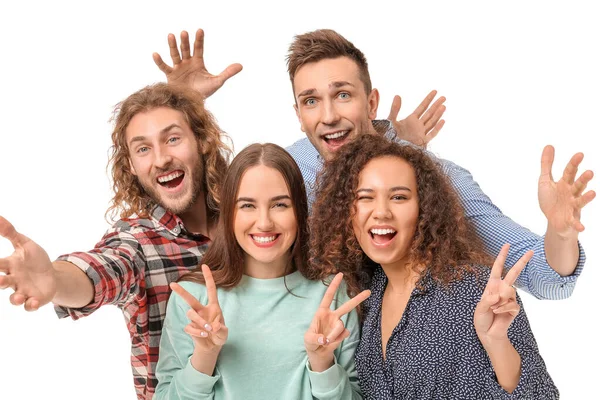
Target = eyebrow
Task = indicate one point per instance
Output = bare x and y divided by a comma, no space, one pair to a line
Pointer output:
276,198
162,132
335,85
394,189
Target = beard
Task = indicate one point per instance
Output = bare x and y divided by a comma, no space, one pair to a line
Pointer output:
183,202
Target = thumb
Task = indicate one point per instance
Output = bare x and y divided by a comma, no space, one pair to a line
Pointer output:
395,109
230,71
8,231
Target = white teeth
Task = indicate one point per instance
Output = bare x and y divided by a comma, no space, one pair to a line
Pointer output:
336,135
170,177
382,231
263,239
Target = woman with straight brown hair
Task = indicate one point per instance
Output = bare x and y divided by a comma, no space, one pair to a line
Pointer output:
252,326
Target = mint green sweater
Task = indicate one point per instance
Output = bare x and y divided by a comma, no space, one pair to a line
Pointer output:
264,357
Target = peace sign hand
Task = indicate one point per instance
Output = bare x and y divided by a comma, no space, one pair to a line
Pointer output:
327,330
498,306
207,326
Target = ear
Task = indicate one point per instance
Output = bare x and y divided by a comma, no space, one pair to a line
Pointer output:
299,118
373,103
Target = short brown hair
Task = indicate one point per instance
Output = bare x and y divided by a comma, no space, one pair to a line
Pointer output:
445,242
225,257
129,196
325,44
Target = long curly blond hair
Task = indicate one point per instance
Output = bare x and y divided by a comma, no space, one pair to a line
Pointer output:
130,199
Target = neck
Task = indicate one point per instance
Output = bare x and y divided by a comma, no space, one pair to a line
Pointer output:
195,218
261,270
401,277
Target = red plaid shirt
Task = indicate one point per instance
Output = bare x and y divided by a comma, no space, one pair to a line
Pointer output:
131,267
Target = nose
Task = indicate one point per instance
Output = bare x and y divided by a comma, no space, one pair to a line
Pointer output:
382,210
330,115
162,158
265,222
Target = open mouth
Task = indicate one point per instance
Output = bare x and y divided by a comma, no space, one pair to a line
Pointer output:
171,180
265,241
382,236
335,139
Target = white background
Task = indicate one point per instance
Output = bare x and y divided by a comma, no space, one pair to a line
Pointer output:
517,75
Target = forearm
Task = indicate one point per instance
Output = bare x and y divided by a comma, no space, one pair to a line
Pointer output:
74,288
506,363
562,254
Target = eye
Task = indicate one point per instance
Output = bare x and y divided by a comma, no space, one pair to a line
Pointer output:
364,198
280,205
344,95
142,149
399,197
247,206
310,101
173,139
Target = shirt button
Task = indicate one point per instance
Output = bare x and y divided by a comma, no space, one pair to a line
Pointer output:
176,230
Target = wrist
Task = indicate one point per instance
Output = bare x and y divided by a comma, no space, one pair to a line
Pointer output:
320,363
571,235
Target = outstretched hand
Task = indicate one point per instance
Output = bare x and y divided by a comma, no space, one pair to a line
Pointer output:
562,201
207,326
327,330
190,70
423,124
28,270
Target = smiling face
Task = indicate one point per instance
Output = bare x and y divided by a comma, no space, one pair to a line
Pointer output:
332,104
166,159
265,224
387,210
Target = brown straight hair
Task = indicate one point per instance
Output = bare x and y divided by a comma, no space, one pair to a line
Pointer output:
225,257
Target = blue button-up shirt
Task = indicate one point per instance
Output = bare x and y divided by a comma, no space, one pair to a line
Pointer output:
496,229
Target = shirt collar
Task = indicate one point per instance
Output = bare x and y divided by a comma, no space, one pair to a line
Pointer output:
172,223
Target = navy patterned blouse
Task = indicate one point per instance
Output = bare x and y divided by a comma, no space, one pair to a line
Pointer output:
434,352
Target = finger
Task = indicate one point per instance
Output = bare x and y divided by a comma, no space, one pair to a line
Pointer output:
230,71
571,168
513,273
511,307
8,231
315,339
161,64
173,49
336,330
32,304
344,335
586,198
431,135
220,337
185,45
425,104
395,109
352,303
196,332
547,161
434,113
17,299
498,266
581,183
4,265
199,44
7,282
211,288
198,320
487,302
186,296
330,292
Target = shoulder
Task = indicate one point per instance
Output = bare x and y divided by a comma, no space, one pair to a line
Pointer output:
303,151
471,285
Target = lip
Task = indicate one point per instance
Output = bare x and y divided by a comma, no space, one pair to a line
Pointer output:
334,147
265,245
171,190
381,245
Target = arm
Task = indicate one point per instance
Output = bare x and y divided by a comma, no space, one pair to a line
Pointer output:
73,287
192,338
331,346
190,71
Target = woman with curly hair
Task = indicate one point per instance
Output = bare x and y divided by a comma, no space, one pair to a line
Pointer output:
439,323
235,330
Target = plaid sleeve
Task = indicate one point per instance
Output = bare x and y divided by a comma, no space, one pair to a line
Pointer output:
116,268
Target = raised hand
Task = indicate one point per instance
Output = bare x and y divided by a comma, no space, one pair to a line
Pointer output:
498,306
562,201
327,330
423,124
207,326
190,70
29,271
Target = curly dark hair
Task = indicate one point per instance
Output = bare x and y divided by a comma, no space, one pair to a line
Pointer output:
445,244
